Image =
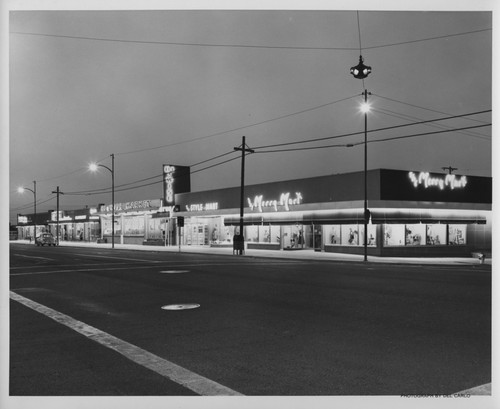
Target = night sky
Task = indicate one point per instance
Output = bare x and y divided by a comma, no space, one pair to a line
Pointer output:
182,87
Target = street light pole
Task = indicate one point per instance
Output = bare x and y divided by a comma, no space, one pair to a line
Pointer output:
113,200
34,202
93,167
361,71
365,212
21,190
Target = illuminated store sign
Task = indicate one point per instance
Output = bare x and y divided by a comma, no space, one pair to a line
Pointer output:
22,219
176,179
168,172
426,180
285,201
62,218
137,205
200,207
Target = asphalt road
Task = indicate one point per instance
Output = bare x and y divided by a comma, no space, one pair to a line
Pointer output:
263,326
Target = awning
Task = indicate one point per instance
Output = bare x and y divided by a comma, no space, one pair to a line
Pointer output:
265,218
413,216
306,217
355,216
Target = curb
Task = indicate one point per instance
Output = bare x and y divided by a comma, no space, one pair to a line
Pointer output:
305,255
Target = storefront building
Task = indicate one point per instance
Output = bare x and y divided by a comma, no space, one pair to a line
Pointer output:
26,225
411,214
76,225
134,222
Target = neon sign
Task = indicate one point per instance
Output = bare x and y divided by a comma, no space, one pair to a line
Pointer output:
426,180
169,182
284,201
200,207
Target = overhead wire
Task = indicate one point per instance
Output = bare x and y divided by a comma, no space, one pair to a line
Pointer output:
350,145
437,126
238,128
371,131
194,44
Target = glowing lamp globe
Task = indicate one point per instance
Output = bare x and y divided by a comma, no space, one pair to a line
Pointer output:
361,70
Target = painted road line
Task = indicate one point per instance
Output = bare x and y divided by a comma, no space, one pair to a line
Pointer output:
484,390
190,380
121,258
43,258
78,270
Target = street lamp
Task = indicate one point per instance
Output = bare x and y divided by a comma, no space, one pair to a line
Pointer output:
365,108
21,190
93,167
361,71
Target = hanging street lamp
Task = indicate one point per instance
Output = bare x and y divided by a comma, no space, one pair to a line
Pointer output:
361,71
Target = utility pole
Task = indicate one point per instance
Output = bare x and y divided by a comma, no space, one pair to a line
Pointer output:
449,169
58,192
243,148
34,193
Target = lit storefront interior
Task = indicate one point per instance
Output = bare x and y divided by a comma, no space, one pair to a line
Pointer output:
76,225
134,221
411,214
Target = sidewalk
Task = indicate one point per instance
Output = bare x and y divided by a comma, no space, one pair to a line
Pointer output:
307,254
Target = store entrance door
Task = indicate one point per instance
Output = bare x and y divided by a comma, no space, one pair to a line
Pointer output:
297,237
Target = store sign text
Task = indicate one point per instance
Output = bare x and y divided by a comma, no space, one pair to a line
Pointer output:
137,205
200,207
449,181
285,201
169,182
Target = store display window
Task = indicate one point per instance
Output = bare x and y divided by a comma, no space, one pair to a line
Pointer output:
415,234
394,235
133,226
252,234
350,235
457,234
332,234
436,234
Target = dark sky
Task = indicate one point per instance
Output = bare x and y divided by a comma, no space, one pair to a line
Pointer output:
182,87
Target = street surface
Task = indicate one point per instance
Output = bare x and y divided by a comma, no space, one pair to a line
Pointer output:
89,322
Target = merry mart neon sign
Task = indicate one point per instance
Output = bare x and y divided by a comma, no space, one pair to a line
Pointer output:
285,201
426,180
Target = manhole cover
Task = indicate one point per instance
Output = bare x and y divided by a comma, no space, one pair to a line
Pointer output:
180,307
174,271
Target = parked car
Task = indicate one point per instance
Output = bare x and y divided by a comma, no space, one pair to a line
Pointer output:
45,239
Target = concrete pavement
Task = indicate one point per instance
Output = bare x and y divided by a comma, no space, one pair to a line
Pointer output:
307,254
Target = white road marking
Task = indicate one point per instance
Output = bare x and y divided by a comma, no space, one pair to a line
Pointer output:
43,258
190,380
478,390
122,258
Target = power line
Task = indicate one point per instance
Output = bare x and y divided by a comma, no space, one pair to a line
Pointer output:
239,128
420,107
428,39
411,118
186,44
350,145
117,188
371,131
